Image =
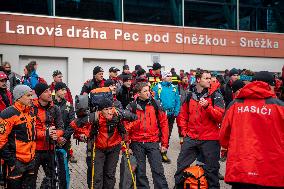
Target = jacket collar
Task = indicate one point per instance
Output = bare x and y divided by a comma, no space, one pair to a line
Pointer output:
21,107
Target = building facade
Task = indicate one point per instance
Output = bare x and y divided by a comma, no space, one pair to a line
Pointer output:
76,35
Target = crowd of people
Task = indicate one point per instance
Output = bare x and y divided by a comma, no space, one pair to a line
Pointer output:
237,115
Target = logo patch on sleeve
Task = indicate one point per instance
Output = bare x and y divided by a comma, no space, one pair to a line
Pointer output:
2,128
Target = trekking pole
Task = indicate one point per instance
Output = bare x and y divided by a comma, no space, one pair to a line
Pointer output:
56,168
93,164
129,164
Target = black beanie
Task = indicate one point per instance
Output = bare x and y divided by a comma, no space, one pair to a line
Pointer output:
141,72
104,103
264,76
126,77
97,69
40,88
156,66
233,72
109,82
60,85
238,84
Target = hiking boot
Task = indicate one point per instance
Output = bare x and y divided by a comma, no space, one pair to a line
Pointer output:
221,177
73,160
165,158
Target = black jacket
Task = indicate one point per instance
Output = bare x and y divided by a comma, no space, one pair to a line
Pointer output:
68,115
125,96
90,85
227,93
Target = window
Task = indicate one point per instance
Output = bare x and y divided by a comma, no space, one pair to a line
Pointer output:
167,12
43,7
262,15
221,14
92,9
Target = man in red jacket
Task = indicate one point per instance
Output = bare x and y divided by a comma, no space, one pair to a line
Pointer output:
144,135
252,131
199,118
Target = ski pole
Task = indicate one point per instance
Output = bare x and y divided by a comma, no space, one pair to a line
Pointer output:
93,164
129,164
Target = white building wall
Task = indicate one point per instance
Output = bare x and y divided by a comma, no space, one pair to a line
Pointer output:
75,58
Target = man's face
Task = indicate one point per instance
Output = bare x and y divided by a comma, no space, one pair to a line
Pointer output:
7,68
234,78
3,83
46,96
158,71
61,93
205,80
144,94
126,71
58,78
113,89
27,99
108,113
185,80
167,79
127,83
113,74
99,76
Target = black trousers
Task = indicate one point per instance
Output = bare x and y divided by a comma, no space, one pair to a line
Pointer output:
251,186
105,167
171,121
44,158
210,150
152,151
22,176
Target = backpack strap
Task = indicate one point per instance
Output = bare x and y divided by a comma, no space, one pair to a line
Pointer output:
159,90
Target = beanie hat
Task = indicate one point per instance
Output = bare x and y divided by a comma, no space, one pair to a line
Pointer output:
138,67
126,77
56,73
40,88
166,74
125,67
233,72
21,90
104,103
140,72
264,76
109,82
60,85
97,69
156,66
238,84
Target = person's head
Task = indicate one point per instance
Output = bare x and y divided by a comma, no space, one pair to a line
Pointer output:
247,76
3,80
203,79
57,76
143,90
184,79
98,73
23,94
173,70
234,75
7,67
126,69
237,86
106,107
181,72
60,89
157,68
113,72
32,66
26,72
167,76
141,72
138,67
111,84
43,92
127,80
266,77
214,76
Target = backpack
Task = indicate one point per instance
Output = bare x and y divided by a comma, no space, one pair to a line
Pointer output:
194,178
99,93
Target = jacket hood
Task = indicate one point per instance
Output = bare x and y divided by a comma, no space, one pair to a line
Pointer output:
256,89
214,87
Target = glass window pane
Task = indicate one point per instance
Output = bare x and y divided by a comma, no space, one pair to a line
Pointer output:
92,9
210,14
153,11
262,15
43,7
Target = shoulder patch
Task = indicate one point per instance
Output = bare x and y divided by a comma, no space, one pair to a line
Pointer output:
3,124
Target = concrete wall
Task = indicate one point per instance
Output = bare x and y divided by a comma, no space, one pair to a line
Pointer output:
75,58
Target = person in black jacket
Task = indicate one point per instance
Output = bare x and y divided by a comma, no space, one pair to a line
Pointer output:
227,90
125,94
63,147
97,81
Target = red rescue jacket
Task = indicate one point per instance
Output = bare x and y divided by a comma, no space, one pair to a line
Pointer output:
198,122
253,133
2,104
